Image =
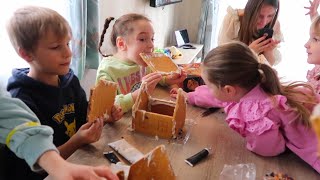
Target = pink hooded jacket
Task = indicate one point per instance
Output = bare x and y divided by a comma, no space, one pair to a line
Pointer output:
268,124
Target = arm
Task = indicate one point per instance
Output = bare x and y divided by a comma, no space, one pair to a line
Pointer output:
58,168
313,9
203,97
21,131
268,143
230,26
88,133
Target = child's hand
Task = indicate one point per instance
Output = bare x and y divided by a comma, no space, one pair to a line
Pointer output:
152,80
174,93
176,78
313,8
116,114
89,132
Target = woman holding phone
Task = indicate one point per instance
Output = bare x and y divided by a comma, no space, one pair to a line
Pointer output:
254,25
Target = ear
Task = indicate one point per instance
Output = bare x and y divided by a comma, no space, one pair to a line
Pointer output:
25,55
121,43
229,90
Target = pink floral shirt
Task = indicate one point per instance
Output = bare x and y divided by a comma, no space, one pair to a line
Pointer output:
313,77
267,123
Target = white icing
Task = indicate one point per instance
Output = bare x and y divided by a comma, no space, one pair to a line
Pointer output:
154,101
126,150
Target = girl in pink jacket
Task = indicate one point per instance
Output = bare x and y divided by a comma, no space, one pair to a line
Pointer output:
270,116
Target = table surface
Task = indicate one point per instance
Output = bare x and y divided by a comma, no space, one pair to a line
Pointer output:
188,55
211,131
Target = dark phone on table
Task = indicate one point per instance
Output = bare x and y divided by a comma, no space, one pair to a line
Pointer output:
111,157
267,31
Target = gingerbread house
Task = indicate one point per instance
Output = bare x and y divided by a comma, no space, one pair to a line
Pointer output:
154,165
157,117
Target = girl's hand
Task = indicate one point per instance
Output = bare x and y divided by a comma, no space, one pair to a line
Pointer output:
174,93
152,80
116,114
176,78
313,8
89,132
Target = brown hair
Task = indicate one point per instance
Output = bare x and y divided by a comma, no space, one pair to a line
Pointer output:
248,22
122,27
235,64
31,23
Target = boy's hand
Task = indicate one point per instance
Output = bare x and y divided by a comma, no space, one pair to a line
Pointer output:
152,80
89,132
116,114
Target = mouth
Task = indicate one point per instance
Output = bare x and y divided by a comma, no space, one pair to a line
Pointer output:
65,64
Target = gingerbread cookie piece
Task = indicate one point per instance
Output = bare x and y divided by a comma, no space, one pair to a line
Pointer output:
101,100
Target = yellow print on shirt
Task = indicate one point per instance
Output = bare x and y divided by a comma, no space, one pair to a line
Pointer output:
67,109
71,128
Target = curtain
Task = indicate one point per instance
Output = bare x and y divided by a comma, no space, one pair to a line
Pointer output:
208,24
84,21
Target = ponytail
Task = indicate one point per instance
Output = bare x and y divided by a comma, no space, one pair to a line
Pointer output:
105,27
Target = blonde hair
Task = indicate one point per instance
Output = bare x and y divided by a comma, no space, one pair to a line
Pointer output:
315,25
122,27
235,64
31,23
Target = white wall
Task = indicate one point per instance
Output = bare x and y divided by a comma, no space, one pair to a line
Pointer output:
165,19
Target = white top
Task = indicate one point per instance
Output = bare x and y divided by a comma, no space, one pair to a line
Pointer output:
230,28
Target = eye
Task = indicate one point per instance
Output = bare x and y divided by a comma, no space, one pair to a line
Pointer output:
142,39
55,47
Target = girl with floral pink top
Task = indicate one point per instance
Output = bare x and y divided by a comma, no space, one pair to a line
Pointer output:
269,115
313,50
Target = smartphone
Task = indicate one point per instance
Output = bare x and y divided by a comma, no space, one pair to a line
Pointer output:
267,31
111,157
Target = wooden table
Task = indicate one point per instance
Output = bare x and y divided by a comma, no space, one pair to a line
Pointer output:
228,148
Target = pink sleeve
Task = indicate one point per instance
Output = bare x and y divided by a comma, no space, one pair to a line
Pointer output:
269,143
203,97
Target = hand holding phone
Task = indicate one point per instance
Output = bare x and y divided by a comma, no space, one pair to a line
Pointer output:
267,31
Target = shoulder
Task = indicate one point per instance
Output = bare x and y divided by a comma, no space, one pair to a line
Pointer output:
233,14
313,77
252,116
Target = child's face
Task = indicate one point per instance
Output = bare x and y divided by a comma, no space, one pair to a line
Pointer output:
140,40
313,48
217,92
52,55
265,16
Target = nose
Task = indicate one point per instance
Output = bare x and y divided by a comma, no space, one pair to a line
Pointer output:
307,44
67,52
264,21
150,45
